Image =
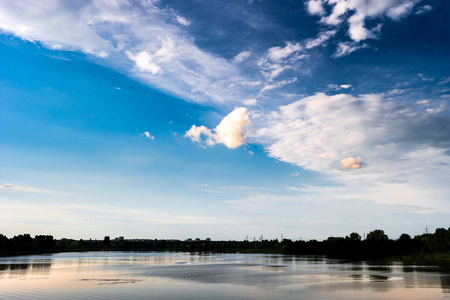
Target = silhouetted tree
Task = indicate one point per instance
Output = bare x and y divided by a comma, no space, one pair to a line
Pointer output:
404,237
377,236
354,237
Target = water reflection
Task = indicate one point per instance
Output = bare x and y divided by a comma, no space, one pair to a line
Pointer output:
116,275
445,283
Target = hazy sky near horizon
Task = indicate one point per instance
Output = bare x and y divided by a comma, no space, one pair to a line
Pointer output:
224,119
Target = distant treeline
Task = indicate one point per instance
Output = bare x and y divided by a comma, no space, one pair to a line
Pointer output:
376,245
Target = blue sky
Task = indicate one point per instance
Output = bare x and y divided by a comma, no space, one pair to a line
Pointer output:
178,119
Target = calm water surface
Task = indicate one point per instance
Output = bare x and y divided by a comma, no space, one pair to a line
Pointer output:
156,275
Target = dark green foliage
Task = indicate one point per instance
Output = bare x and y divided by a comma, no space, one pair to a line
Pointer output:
354,237
377,236
405,237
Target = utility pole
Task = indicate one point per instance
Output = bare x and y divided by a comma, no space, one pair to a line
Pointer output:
426,229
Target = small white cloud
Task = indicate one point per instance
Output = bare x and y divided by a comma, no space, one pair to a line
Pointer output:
251,83
277,54
315,7
117,88
195,133
425,78
241,56
423,10
229,132
183,21
19,188
321,39
423,102
279,59
251,152
278,84
250,102
295,174
396,92
333,86
444,80
401,10
147,135
352,163
339,87
345,48
144,62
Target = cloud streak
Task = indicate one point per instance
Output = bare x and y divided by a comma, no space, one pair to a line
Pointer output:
20,188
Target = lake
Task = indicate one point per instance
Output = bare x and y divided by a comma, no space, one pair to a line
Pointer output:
168,275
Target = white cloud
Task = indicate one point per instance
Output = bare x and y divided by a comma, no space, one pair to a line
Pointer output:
19,188
137,37
396,92
352,163
250,102
277,54
315,7
230,131
423,10
444,80
279,59
144,62
183,21
55,24
321,39
425,78
400,10
195,133
339,87
241,56
345,48
317,132
147,135
278,84
356,12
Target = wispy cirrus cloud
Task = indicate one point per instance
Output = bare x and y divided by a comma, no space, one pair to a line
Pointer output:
20,188
357,15
423,10
137,37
